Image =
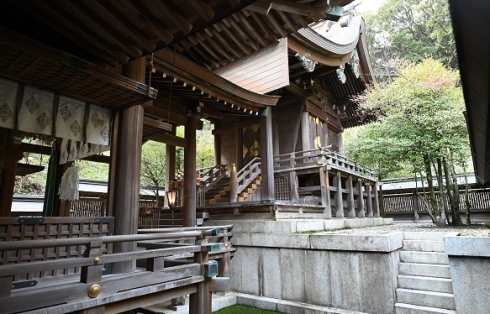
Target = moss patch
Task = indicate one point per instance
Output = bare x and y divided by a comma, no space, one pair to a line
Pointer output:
241,309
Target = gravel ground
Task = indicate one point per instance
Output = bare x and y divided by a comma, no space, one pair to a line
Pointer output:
477,230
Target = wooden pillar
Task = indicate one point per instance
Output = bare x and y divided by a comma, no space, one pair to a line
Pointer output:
169,165
325,193
201,301
340,136
217,146
266,157
111,189
293,180
339,204
233,184
376,200
239,147
369,198
306,131
351,211
127,173
325,140
360,201
275,134
8,167
190,190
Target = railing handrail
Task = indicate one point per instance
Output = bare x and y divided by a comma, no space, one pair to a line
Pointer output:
44,243
331,157
241,171
251,171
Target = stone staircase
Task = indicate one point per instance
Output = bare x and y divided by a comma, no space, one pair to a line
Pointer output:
424,280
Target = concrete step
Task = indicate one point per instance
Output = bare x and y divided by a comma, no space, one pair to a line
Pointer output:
421,245
426,298
425,270
401,308
424,257
425,283
435,236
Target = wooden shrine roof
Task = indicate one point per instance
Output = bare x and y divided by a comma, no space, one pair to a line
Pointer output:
470,20
211,32
28,61
330,51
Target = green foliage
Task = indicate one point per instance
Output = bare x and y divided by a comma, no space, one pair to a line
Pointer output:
154,156
410,30
93,170
423,115
153,166
241,309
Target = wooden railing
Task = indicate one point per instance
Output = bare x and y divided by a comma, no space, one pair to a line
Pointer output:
206,178
240,180
210,175
320,157
164,274
89,207
248,174
410,202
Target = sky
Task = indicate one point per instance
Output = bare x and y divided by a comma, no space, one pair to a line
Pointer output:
369,5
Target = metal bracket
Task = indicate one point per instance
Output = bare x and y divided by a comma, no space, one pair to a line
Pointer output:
30,220
23,284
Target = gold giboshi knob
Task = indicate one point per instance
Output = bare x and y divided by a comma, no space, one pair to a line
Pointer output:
94,291
96,260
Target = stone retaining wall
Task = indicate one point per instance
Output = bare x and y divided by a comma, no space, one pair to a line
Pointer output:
356,273
469,262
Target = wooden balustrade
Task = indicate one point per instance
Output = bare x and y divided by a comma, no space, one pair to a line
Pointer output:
168,271
320,157
409,202
247,175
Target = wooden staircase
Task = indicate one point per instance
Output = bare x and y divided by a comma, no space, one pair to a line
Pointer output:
247,192
219,193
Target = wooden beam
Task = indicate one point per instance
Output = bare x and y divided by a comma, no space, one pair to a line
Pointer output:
157,124
169,139
210,112
36,149
159,113
99,158
316,11
242,124
206,12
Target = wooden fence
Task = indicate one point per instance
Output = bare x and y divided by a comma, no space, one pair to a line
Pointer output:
479,200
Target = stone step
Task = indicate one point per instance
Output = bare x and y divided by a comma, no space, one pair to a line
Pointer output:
424,257
421,245
425,283
401,308
426,298
437,236
425,270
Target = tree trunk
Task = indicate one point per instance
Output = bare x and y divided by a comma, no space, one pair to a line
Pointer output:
429,210
453,194
381,202
432,198
444,214
466,198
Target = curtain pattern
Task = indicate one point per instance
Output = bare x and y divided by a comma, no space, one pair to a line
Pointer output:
84,131
8,95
